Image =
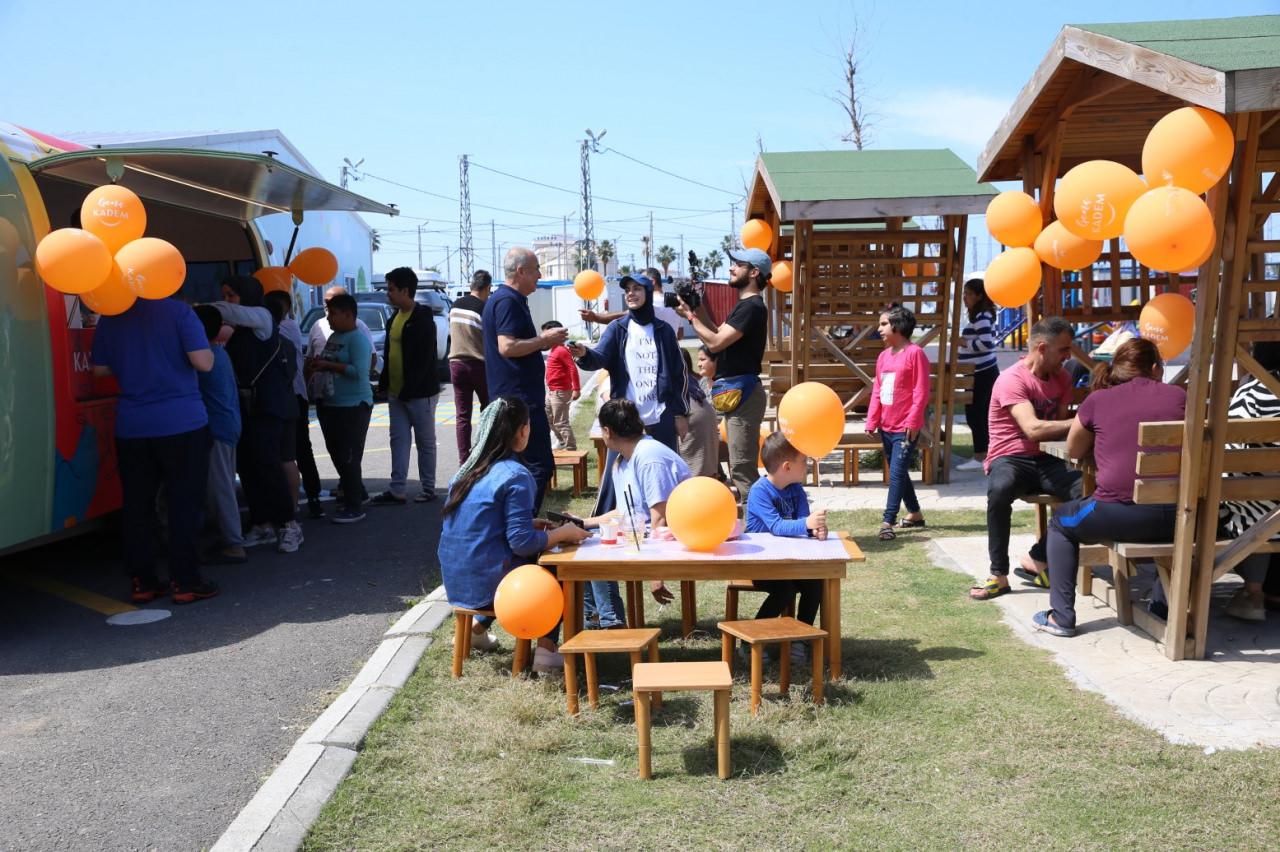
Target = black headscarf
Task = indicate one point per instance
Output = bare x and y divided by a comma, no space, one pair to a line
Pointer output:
248,288
643,314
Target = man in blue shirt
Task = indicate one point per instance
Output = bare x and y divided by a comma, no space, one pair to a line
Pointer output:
162,437
513,358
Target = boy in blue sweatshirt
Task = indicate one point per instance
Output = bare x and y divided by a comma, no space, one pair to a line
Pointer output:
777,504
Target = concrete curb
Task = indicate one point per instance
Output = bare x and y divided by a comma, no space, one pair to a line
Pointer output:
282,811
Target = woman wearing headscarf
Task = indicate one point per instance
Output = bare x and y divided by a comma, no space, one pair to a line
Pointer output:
644,363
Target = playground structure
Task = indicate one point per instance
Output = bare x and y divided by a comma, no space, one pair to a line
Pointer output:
845,220
1096,95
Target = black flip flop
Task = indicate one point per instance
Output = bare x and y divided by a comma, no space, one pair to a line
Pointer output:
911,525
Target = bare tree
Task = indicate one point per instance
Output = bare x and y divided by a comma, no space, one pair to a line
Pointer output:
849,97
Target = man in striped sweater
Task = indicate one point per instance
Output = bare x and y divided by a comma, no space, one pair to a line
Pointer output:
466,357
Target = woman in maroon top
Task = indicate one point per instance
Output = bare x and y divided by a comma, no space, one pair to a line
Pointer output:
1126,392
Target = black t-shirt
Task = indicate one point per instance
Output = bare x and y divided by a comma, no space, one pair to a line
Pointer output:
742,358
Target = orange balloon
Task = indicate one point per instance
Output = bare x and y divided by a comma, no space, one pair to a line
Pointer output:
756,234
73,261
1093,198
1168,321
153,268
724,434
1200,261
780,280
1062,249
275,278
1013,277
1190,147
1014,218
701,513
588,284
911,270
1167,228
114,215
528,602
112,297
812,417
314,266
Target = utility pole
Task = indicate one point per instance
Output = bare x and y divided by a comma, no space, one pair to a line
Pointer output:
349,171
733,223
681,258
466,258
590,145
646,254
564,238
420,244
493,241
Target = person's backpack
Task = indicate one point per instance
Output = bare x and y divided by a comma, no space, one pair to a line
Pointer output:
270,389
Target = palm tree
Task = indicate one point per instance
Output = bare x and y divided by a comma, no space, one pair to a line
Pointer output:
375,239
624,270
647,247
666,256
729,243
606,253
713,261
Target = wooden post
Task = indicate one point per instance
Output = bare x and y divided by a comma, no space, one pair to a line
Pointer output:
644,745
1224,350
1208,290
723,764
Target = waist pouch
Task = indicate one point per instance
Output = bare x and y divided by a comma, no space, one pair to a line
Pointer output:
730,392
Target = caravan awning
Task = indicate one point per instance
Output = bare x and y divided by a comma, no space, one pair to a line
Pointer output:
222,183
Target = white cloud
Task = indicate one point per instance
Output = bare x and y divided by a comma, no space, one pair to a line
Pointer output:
949,116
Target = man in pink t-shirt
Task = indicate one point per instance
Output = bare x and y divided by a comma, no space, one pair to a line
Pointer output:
1028,405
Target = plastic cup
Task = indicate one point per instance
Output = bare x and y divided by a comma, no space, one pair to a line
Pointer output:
609,532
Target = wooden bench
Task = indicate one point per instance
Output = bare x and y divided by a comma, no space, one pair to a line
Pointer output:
650,678
462,618
588,643
575,459
851,447
770,631
1158,482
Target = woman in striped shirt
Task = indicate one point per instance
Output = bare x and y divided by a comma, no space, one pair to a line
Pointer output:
1253,399
977,348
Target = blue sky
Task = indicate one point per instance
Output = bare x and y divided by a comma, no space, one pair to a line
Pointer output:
409,86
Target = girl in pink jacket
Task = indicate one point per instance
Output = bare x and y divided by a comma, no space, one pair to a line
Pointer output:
899,399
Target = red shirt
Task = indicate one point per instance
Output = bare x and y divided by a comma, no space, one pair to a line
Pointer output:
1015,385
900,392
562,373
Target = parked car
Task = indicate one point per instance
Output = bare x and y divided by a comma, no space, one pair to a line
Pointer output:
376,315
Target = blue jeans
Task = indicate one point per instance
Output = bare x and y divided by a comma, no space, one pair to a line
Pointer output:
601,600
900,453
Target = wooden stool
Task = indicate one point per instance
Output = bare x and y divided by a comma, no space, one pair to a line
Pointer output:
767,631
576,459
648,678
462,641
588,643
731,591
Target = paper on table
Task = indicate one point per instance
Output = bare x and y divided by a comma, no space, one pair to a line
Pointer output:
752,546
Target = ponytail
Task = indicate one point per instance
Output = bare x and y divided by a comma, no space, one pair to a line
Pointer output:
1135,358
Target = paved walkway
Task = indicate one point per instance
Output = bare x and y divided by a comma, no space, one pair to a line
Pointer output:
1231,699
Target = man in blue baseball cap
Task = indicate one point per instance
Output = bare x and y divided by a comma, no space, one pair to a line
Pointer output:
738,344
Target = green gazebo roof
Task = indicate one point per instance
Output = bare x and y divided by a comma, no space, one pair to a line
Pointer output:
875,184
1223,44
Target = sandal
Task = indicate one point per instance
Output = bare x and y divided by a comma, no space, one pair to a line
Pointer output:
988,590
887,534
907,524
1035,578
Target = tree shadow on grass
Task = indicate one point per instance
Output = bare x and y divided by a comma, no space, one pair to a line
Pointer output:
754,754
896,659
676,712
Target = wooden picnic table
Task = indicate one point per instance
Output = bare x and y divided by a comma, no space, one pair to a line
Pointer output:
756,556
1086,466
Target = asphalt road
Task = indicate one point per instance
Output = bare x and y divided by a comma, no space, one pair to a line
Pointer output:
154,736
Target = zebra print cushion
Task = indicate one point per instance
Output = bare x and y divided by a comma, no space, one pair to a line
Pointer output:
1251,400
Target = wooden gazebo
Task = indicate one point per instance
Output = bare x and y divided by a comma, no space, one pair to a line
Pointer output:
845,219
1095,96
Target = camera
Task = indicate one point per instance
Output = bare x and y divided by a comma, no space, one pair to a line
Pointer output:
688,290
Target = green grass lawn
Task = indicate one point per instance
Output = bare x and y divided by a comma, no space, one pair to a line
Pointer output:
944,732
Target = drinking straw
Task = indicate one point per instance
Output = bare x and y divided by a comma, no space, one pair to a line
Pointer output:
631,515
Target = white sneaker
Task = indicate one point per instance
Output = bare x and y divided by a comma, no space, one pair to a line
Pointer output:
544,661
261,534
483,641
1243,608
290,538
971,464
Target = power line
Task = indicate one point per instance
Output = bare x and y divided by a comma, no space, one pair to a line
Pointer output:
576,192
673,174
446,197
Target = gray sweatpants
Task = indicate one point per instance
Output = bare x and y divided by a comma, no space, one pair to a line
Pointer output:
419,416
743,430
221,500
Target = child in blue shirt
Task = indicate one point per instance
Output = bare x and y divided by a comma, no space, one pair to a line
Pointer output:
489,527
777,505
347,402
222,401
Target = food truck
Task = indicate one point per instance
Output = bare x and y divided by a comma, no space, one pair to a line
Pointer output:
57,454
